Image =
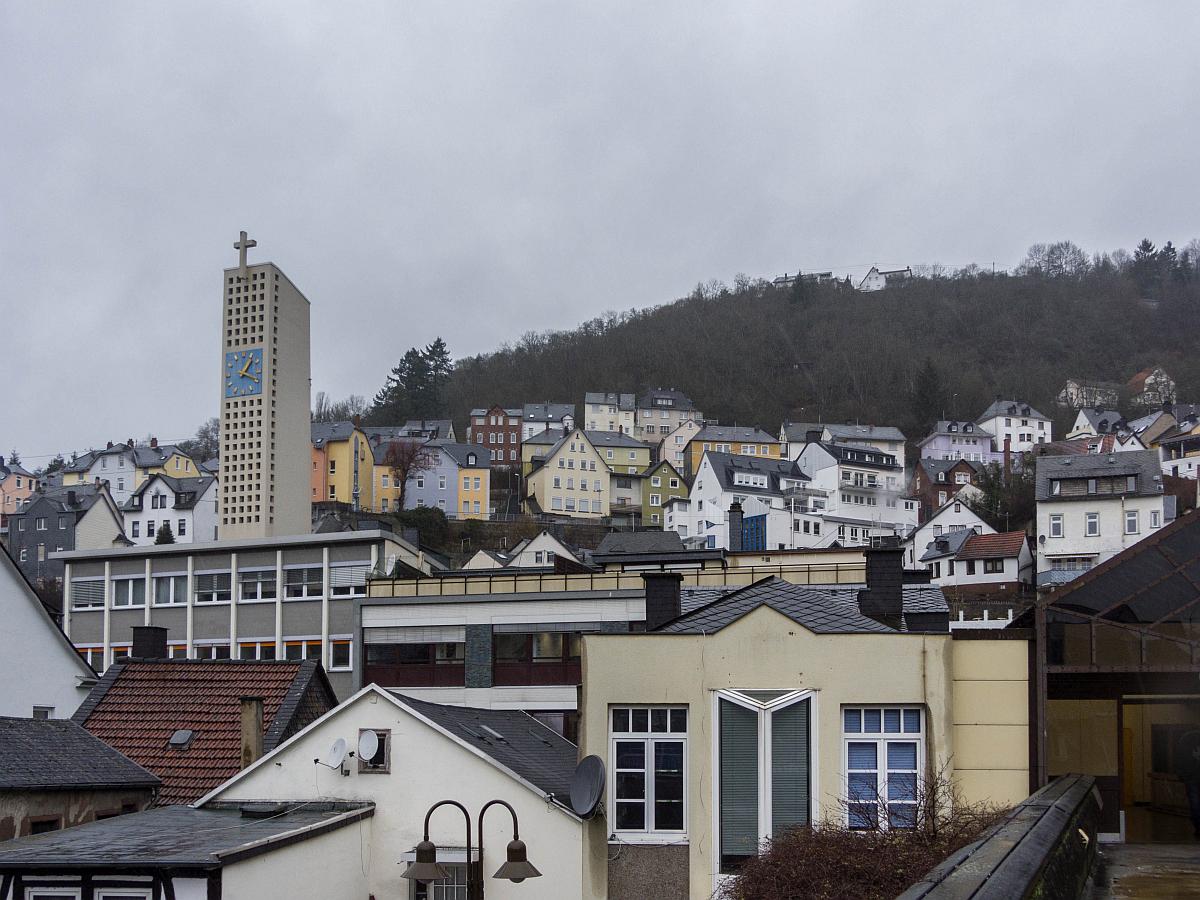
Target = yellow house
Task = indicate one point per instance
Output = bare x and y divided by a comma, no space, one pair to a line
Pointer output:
450,476
343,466
126,466
573,479
735,439
781,705
536,447
623,454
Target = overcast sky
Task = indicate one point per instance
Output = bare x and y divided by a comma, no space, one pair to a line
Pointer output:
481,170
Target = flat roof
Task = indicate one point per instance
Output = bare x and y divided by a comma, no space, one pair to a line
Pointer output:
287,540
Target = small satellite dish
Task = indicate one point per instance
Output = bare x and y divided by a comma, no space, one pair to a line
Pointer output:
391,565
368,745
336,755
587,786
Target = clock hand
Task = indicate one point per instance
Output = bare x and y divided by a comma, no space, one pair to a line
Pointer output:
246,367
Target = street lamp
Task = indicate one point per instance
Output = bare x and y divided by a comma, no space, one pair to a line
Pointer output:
516,866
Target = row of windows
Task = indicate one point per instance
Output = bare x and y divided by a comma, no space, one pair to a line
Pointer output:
295,649
990,567
1091,523
135,527
253,586
570,505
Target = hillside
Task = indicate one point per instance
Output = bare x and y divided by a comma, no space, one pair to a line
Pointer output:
758,354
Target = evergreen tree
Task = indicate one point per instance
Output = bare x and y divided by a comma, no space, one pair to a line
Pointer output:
14,458
928,397
799,291
416,387
1147,266
164,534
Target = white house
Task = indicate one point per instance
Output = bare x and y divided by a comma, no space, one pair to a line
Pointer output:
865,489
792,515
966,559
535,552
43,676
609,411
1090,507
189,505
877,279
1018,423
423,753
954,515
1093,421
886,438
558,418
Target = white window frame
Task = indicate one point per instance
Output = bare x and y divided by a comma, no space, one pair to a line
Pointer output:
764,711
649,737
1056,519
257,583
1090,519
127,584
1131,515
171,600
881,740
304,595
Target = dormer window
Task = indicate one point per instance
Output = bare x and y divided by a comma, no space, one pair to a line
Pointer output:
952,427
968,427
470,459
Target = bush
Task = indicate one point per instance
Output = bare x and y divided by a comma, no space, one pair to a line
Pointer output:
429,521
832,862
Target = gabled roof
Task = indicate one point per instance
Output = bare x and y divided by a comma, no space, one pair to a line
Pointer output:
860,455
514,739
948,543
726,465
821,609
11,468
180,838
461,453
954,428
935,467
59,498
623,402
59,755
546,438
547,412
514,412
1010,408
1142,463
1102,420
678,399
853,433
1006,545
197,487
640,542
734,433
138,704
326,432
615,439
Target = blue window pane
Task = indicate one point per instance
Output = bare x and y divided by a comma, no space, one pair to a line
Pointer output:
853,720
912,721
891,721
901,755
902,815
902,787
871,721
861,756
863,786
862,815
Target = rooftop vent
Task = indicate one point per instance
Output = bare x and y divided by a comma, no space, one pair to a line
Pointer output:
181,739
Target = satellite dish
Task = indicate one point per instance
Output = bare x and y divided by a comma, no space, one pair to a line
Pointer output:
337,754
391,564
587,786
368,745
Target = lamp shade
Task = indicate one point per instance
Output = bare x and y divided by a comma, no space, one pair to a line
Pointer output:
517,867
426,867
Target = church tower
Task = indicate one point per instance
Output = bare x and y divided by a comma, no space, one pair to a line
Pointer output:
265,383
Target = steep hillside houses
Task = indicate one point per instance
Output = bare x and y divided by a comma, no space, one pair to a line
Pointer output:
738,440
661,410
499,429
187,505
610,411
539,417
1015,425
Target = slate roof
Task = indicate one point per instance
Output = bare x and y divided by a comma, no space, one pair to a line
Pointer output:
1143,463
865,433
934,467
1006,545
508,411
176,837
725,465
692,598
614,439
1101,420
547,412
957,429
679,399
437,428
623,402
138,705
1017,408
59,755
821,609
734,433
860,455
194,486
948,543
459,453
546,438
533,751
86,496
325,432
640,542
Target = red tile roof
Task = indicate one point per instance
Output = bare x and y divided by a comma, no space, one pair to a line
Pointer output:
139,704
993,546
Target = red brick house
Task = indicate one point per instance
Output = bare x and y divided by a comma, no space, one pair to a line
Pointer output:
935,481
499,430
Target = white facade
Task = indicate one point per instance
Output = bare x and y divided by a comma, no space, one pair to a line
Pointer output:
673,446
427,764
864,501
40,670
118,469
196,521
265,413
1078,534
974,572
951,517
1023,430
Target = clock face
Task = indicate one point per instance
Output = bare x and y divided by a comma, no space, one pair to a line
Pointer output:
243,372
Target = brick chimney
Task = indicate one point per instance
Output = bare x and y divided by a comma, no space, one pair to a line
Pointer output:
149,642
662,597
154,442
883,600
1007,457
72,499
110,446
252,729
812,436
735,526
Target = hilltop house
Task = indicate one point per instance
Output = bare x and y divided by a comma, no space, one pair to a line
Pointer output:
189,505
1015,425
539,417
952,440
877,279
660,411
887,438
673,448
1090,507
610,411
125,466
1150,388
1079,393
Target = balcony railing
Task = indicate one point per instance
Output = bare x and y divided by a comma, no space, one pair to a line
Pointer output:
418,675
538,672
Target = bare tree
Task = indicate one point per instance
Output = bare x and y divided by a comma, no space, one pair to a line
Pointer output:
207,442
406,459
326,409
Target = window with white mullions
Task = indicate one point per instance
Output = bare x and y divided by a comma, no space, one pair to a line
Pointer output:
303,584
884,753
649,749
764,769
256,585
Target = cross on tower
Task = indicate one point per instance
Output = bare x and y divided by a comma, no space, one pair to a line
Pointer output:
242,246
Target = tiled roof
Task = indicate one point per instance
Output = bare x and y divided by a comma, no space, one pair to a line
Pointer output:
139,704
177,837
513,738
823,610
994,546
57,755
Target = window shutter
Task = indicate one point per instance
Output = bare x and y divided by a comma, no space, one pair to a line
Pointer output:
739,780
349,576
206,583
87,593
434,634
789,767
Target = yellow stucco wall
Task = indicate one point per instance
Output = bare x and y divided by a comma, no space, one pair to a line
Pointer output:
341,479
470,494
696,449
540,485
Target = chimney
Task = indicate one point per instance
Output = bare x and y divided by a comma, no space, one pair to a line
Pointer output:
1007,457
735,526
71,498
812,436
129,443
154,442
883,600
149,642
109,447
252,729
662,597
